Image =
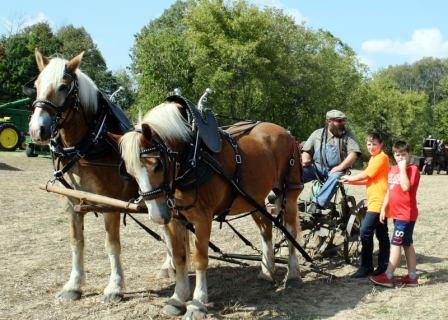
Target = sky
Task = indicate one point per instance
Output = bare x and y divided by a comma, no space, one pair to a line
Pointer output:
381,32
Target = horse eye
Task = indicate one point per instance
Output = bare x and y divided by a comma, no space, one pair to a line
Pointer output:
157,166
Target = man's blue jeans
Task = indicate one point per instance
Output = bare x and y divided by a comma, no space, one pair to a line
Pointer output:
328,189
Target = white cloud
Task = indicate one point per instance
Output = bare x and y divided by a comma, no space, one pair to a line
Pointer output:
369,62
423,43
16,24
39,17
294,13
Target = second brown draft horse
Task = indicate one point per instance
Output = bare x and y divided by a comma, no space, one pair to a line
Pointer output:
269,160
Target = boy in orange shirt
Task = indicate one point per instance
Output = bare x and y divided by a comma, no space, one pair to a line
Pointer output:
375,178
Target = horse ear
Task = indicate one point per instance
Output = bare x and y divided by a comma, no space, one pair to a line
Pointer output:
146,132
114,137
41,60
73,64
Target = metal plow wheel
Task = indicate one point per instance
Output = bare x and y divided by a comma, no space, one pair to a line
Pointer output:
334,232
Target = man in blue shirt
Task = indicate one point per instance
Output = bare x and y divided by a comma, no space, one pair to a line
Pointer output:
327,154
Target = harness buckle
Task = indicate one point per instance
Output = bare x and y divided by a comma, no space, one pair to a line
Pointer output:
238,159
170,203
137,201
58,174
291,162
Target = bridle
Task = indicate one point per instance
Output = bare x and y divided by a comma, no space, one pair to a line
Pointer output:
168,159
57,111
59,114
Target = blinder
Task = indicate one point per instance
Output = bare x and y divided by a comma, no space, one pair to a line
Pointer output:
166,156
29,89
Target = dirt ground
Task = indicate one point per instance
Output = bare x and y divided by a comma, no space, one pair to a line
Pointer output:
36,261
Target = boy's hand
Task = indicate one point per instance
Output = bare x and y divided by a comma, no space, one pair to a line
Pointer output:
345,179
382,215
402,164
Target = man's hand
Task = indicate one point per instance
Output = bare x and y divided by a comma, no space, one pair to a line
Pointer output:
306,162
336,169
345,179
306,159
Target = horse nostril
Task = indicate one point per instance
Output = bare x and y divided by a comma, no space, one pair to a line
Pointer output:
42,131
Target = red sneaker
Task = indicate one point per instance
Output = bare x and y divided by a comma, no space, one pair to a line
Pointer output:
382,280
408,281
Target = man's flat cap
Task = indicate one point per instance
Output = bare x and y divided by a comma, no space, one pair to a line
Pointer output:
335,114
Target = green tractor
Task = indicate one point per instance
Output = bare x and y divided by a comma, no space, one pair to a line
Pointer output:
14,118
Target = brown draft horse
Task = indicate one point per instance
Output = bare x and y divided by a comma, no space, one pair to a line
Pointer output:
67,107
266,151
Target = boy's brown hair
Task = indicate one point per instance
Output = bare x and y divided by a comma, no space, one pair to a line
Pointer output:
374,136
400,146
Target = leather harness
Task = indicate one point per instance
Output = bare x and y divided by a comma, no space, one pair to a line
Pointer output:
95,143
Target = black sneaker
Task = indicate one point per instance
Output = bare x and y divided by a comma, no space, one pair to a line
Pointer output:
362,272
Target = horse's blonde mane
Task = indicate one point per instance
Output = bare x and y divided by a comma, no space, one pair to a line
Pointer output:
166,120
52,75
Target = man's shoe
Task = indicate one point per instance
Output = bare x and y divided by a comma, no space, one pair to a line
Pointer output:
315,209
362,272
408,282
382,280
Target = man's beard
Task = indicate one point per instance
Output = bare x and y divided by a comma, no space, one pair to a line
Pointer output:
337,131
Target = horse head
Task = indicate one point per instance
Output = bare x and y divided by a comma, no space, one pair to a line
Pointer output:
63,95
150,155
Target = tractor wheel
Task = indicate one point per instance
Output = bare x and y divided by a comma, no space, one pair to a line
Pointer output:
9,137
29,151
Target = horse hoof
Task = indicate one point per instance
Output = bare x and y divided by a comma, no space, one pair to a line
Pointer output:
195,310
174,308
194,315
112,298
265,277
70,295
293,283
167,273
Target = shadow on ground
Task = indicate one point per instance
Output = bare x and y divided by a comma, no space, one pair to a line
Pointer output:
4,166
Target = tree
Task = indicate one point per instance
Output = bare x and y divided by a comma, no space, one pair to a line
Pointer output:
259,62
75,40
161,60
17,65
394,114
126,97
